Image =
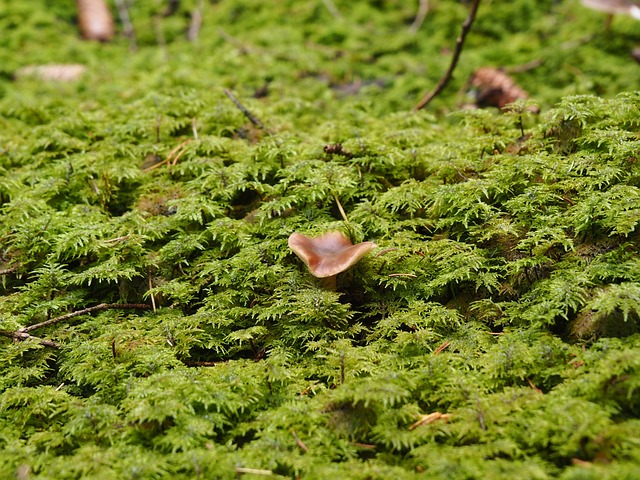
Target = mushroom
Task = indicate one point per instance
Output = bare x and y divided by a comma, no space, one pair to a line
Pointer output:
328,255
614,7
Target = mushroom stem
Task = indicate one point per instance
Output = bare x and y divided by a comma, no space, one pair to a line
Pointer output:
330,283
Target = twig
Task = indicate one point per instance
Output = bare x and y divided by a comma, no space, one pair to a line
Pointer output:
173,157
429,418
21,337
127,26
466,26
252,118
9,270
408,275
333,10
202,363
253,471
196,23
525,67
344,215
117,239
441,347
153,298
102,306
423,9
386,250
533,386
234,41
194,128
299,442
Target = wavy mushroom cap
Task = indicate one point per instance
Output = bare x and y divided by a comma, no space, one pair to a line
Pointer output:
627,7
328,254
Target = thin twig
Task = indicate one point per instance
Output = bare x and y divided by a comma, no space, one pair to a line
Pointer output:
386,250
252,118
423,9
466,26
299,442
21,337
194,127
253,471
153,298
441,347
9,270
234,41
525,67
173,157
429,418
102,306
333,10
344,215
196,23
127,26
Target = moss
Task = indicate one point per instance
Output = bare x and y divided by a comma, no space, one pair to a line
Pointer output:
155,323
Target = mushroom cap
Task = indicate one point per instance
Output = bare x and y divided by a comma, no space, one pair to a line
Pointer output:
328,254
627,7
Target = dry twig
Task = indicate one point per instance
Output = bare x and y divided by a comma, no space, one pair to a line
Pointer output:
466,26
299,442
423,9
22,336
429,418
102,306
196,23
252,118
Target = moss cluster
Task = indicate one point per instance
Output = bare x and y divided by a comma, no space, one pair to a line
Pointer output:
155,323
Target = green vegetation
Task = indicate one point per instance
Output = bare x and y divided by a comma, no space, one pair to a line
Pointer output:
504,296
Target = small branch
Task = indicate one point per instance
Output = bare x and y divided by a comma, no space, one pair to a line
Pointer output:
194,128
21,337
299,442
423,9
252,118
153,298
333,10
525,67
441,347
466,26
386,250
429,418
253,471
196,23
173,157
9,270
344,215
102,306
127,26
190,363
234,41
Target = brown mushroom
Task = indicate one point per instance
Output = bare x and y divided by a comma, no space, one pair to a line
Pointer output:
95,20
328,255
614,7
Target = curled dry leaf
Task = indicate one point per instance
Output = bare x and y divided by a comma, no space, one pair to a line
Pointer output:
494,88
95,20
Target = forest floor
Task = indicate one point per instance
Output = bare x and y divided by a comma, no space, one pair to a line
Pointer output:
154,322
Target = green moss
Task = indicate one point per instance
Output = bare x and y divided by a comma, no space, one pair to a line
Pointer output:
503,294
